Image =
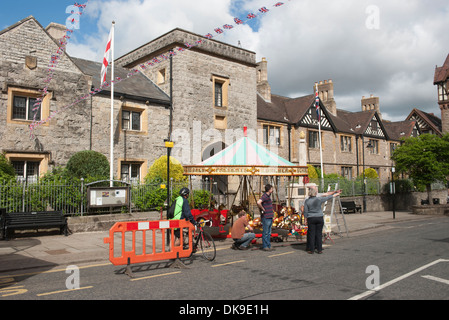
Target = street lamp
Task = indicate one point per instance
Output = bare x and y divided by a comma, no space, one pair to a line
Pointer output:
393,191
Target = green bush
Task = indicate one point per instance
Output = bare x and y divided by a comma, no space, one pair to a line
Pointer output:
201,198
87,164
159,170
7,172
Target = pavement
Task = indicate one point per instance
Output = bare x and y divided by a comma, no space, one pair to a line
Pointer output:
50,250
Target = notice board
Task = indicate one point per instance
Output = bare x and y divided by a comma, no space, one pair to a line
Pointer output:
108,197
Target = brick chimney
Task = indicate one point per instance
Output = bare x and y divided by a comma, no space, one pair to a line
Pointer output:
371,103
326,93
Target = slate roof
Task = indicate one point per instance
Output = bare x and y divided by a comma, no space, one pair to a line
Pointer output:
430,119
442,73
291,111
136,87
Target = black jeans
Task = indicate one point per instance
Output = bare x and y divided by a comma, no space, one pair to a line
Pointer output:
315,233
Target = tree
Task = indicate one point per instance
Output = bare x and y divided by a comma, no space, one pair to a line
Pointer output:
89,163
424,159
159,170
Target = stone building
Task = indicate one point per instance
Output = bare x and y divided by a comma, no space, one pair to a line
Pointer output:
217,89
214,90
441,80
139,106
351,141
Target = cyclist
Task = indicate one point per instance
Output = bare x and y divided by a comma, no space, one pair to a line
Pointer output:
182,211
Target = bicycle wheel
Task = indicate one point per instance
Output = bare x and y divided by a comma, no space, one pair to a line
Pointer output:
207,245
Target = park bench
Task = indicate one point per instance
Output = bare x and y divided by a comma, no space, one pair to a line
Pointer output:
32,221
350,207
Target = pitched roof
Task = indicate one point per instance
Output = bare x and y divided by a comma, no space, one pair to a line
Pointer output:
442,73
292,110
272,111
138,86
428,119
400,129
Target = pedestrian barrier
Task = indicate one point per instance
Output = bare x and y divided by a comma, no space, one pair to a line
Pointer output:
145,241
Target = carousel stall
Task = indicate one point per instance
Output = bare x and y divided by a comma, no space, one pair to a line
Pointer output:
251,163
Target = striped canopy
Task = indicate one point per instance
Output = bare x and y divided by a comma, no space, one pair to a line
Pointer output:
246,157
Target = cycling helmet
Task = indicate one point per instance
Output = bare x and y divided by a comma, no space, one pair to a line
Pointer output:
184,192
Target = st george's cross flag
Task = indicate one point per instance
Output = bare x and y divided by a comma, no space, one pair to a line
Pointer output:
107,57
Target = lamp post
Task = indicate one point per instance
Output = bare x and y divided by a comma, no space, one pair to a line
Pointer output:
393,191
364,178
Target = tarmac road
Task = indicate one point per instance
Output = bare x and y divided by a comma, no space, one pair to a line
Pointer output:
411,257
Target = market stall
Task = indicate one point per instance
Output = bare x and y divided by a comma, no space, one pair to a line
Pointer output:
250,163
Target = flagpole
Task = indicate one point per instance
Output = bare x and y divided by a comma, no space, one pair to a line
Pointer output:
111,173
319,136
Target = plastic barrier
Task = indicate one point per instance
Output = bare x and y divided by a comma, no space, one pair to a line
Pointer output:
145,241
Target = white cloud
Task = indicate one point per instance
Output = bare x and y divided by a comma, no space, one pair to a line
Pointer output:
306,41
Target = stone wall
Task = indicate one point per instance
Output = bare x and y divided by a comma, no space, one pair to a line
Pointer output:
83,126
403,201
194,70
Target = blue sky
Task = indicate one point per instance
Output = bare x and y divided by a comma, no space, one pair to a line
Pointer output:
390,52
44,11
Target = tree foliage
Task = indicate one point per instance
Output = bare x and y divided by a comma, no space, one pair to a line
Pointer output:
88,163
158,170
7,171
425,159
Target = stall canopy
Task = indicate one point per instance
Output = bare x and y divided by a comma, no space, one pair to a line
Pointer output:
246,157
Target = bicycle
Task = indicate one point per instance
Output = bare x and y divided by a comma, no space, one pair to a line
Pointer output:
204,241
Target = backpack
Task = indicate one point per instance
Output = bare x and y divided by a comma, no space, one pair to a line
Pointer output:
171,210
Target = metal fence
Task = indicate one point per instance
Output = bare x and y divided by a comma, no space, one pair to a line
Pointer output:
71,197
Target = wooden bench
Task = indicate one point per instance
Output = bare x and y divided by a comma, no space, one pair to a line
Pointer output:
33,220
350,207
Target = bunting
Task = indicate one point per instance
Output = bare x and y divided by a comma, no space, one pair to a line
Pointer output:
63,42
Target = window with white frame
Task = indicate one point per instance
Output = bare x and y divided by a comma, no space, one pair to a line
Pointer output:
23,108
271,135
130,172
26,171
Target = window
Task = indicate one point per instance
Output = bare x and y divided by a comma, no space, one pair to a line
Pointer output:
443,92
271,135
220,88
21,103
346,144
313,140
26,171
374,146
346,172
22,108
374,125
130,172
393,147
131,120
218,94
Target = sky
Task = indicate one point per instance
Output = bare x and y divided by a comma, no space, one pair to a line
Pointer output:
381,47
